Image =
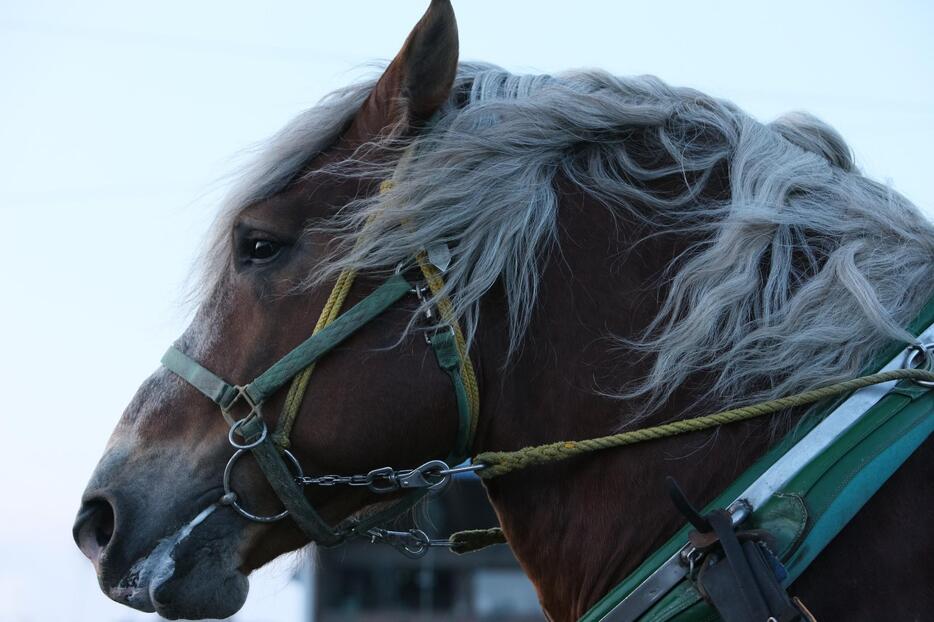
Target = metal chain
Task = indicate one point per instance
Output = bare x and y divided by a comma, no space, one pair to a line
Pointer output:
413,543
434,475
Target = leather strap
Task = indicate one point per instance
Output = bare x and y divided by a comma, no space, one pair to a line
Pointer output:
292,496
223,393
266,453
327,338
722,525
445,347
201,378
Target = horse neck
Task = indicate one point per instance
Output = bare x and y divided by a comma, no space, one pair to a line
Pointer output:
580,526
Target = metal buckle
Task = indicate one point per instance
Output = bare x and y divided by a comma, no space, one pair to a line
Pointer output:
921,356
230,497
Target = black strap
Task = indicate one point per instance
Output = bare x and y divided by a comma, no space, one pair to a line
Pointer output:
722,524
685,507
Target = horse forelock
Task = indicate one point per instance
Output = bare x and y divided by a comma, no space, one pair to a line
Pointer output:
805,270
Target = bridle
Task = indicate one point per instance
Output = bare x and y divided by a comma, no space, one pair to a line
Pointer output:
285,475
283,470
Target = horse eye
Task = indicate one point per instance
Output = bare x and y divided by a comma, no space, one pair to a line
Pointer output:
264,250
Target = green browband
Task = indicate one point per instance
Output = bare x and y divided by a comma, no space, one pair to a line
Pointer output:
252,427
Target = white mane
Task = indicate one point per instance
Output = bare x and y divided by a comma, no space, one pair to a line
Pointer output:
806,270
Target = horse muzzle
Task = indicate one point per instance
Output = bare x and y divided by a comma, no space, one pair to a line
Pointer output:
174,554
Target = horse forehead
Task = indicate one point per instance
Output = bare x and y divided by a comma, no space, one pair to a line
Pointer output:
315,193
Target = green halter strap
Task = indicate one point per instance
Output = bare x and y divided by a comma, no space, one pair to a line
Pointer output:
271,459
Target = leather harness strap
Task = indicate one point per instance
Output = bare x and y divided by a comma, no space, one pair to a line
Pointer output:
269,455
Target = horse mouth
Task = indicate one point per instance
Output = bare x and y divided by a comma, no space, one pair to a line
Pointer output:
191,574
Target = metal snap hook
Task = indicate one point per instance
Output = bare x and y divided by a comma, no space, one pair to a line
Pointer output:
431,475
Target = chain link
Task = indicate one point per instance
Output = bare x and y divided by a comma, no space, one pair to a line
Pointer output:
433,475
334,480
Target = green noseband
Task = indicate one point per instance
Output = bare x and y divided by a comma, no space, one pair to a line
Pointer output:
280,467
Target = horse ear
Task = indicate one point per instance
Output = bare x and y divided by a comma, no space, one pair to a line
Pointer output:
418,80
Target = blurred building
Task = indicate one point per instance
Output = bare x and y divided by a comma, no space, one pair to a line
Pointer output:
374,583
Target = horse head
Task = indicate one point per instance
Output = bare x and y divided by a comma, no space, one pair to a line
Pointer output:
640,253
150,520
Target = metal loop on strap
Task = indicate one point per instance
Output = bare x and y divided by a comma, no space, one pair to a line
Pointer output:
235,429
230,497
921,357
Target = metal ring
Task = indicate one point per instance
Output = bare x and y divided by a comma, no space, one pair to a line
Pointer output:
435,465
925,355
234,429
417,546
231,496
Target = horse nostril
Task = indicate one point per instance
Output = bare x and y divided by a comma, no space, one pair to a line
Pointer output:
94,527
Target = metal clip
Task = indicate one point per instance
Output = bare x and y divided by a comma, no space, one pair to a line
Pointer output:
430,475
422,292
382,480
413,543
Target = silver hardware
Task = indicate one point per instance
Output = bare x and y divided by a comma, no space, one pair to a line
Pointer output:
824,433
434,475
241,394
439,256
739,511
230,497
381,480
413,543
423,294
921,357
333,480
682,563
426,476
436,331
693,560
235,429
467,468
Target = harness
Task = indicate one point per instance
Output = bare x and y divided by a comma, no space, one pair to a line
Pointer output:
248,433
801,493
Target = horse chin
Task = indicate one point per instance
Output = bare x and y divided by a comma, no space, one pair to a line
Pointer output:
192,574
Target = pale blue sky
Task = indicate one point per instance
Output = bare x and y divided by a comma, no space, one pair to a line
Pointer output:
118,122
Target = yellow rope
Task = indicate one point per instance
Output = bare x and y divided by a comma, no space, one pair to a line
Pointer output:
502,462
446,309
293,399
332,309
